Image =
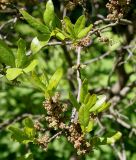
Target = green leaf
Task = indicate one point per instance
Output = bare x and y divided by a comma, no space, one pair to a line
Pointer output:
83,116
31,66
34,22
56,23
54,80
6,55
99,103
87,98
35,80
69,27
104,107
37,45
90,126
60,36
48,15
91,101
13,73
84,32
80,24
73,100
21,58
84,90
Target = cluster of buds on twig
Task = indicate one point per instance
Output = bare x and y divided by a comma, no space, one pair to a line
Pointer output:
76,137
56,120
117,9
55,110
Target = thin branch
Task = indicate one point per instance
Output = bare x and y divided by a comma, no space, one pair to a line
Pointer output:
11,121
98,58
74,116
55,136
14,120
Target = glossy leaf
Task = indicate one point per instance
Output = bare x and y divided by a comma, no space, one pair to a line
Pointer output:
80,24
99,103
84,31
21,57
37,45
13,73
34,22
91,101
104,107
6,55
73,100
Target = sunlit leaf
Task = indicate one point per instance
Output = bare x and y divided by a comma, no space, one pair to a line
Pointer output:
80,24
84,31
13,73
31,66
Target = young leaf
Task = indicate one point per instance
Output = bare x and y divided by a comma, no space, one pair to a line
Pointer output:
54,80
69,26
13,73
104,107
99,103
84,31
60,36
48,15
21,54
35,80
91,101
90,126
6,55
83,116
36,44
80,24
31,66
73,100
35,23
84,90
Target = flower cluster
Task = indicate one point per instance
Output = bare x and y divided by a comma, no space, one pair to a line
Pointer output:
56,120
117,9
55,111
76,137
